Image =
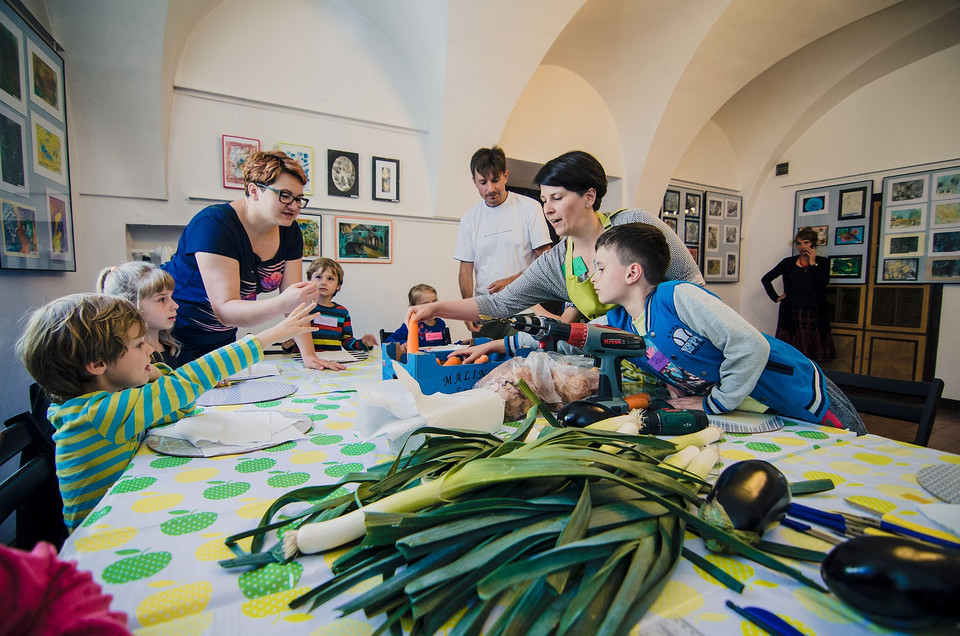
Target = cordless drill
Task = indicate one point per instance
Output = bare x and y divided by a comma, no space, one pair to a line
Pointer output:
608,346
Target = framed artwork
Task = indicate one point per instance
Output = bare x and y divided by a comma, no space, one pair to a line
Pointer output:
671,223
903,190
848,235
900,268
236,151
35,206
946,213
853,204
733,266
732,207
943,270
13,79
363,240
46,81
691,204
694,254
822,233
310,229
671,202
946,184
386,179
903,245
713,237
342,174
905,219
13,152
943,243
846,266
815,203
304,155
713,267
731,234
714,206
691,232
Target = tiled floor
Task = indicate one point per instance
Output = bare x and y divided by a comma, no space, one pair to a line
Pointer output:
945,435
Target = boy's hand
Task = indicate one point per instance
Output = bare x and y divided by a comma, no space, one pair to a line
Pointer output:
369,340
313,362
470,354
693,403
298,322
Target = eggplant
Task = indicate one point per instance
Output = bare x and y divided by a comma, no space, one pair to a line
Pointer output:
580,413
898,583
749,497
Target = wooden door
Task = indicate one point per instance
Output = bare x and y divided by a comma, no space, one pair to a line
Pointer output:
885,330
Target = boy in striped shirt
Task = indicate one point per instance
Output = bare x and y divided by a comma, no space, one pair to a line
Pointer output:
89,353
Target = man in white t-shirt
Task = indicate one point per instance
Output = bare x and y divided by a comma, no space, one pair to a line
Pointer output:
499,236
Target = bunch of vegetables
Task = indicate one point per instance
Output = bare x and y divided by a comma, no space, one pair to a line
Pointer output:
576,531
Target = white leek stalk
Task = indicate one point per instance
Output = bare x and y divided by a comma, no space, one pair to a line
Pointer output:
614,423
705,437
704,462
680,460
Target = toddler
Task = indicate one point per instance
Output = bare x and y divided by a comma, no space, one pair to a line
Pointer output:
151,290
331,321
90,355
433,331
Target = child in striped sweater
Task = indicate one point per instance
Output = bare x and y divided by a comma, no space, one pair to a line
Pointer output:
90,355
332,329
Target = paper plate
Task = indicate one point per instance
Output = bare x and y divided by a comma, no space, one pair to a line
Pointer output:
183,448
247,392
744,422
941,480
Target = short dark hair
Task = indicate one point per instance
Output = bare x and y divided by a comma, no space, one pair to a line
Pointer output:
807,234
577,171
488,162
639,243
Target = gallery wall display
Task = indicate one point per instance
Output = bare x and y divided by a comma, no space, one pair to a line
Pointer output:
310,225
303,154
34,169
235,152
682,211
363,240
343,178
386,179
838,214
920,228
721,237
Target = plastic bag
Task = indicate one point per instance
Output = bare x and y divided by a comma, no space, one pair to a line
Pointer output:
556,379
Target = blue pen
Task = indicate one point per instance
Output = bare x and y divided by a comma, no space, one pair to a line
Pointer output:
827,519
793,524
765,620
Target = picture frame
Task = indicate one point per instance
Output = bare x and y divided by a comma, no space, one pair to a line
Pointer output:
46,81
853,204
303,155
311,227
946,184
343,178
850,266
235,152
36,211
694,253
714,206
909,218
943,270
946,243
671,223
731,234
671,202
814,203
822,233
907,189
902,245
13,78
691,232
385,178
691,204
713,266
733,266
901,269
363,240
712,242
849,235
732,208
13,152
946,213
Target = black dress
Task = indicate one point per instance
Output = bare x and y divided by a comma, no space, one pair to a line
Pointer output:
803,320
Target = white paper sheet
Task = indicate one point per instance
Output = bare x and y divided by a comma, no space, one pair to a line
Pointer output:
239,429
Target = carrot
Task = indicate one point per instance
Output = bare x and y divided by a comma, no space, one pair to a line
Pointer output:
413,336
452,361
482,359
637,400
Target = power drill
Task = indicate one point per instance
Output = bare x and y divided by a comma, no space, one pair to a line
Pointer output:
608,346
671,421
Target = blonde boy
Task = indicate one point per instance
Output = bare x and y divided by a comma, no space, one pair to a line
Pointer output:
90,355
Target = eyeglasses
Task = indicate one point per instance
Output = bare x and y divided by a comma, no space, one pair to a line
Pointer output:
286,197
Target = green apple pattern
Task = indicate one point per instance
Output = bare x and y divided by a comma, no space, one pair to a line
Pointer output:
133,484
256,465
326,440
270,579
267,405
138,567
287,480
226,490
282,447
96,516
326,407
169,462
185,523
358,448
339,470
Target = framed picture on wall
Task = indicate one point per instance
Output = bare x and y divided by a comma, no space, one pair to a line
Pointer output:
846,266
310,228
714,206
815,203
849,235
908,189
900,268
900,245
13,79
386,179
822,233
713,237
304,155
46,81
943,270
691,204
49,150
691,232
13,152
343,174
60,221
235,152
671,223
671,202
946,184
363,240
853,204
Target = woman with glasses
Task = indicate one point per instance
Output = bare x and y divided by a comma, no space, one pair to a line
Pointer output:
229,253
803,320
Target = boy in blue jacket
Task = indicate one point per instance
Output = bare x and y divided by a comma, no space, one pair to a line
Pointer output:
709,356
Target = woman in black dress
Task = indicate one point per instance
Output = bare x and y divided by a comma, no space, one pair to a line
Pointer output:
803,320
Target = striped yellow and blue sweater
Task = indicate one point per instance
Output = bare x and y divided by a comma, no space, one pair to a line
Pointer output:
98,433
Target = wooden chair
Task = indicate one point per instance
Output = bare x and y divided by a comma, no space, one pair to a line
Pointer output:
897,399
31,489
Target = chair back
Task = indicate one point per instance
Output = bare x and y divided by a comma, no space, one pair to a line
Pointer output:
905,400
384,334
